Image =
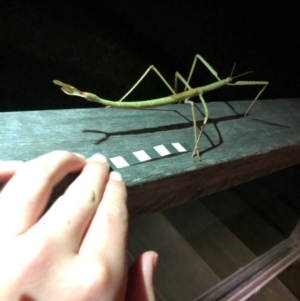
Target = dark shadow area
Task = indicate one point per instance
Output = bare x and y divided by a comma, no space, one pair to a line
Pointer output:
188,124
267,122
26,297
105,47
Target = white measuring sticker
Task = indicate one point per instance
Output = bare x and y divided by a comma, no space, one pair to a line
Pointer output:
153,153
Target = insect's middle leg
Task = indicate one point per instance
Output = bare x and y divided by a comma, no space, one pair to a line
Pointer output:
197,137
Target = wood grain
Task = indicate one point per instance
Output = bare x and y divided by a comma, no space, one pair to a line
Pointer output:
234,149
181,273
217,245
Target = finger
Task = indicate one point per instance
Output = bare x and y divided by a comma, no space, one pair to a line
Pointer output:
68,219
108,229
25,196
8,168
140,278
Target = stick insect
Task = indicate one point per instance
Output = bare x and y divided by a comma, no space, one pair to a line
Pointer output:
185,96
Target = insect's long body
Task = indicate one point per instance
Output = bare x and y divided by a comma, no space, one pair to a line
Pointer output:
185,96
155,102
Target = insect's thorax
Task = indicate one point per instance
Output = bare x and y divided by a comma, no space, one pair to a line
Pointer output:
216,85
185,94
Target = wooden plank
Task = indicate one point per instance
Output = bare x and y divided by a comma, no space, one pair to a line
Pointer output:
234,149
181,273
248,281
290,277
210,238
243,221
285,186
276,213
292,173
249,227
284,189
218,246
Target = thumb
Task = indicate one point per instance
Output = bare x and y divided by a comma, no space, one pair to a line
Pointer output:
140,278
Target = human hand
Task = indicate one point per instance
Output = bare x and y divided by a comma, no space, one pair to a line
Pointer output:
77,249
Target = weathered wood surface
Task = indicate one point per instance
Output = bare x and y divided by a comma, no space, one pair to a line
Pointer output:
182,274
227,232
223,251
234,149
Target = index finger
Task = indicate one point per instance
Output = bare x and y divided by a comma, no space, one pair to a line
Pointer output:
8,168
25,196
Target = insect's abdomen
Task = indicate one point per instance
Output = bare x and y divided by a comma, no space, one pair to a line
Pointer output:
137,104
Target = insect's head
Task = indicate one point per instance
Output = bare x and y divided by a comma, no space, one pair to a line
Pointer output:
68,89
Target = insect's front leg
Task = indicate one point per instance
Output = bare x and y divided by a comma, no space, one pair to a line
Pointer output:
251,83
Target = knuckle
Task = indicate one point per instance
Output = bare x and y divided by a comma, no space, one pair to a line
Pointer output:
97,168
94,173
37,169
45,165
56,156
118,189
85,195
115,211
42,171
116,207
92,278
61,153
41,253
102,276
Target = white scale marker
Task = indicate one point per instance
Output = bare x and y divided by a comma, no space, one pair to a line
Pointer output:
155,152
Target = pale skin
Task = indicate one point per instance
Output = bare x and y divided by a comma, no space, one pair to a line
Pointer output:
175,97
77,249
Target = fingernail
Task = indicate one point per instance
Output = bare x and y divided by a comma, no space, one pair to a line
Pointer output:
149,278
99,158
79,155
116,176
155,260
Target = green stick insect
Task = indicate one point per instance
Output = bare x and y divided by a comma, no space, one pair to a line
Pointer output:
175,97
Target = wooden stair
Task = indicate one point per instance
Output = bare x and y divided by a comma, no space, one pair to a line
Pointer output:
203,242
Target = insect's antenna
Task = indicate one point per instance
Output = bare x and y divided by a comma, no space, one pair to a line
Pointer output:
241,74
232,70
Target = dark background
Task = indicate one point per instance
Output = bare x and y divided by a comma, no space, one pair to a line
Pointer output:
103,47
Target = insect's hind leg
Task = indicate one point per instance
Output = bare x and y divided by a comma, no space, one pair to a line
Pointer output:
205,63
197,138
152,67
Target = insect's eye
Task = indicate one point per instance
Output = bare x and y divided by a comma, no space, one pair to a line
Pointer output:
68,89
